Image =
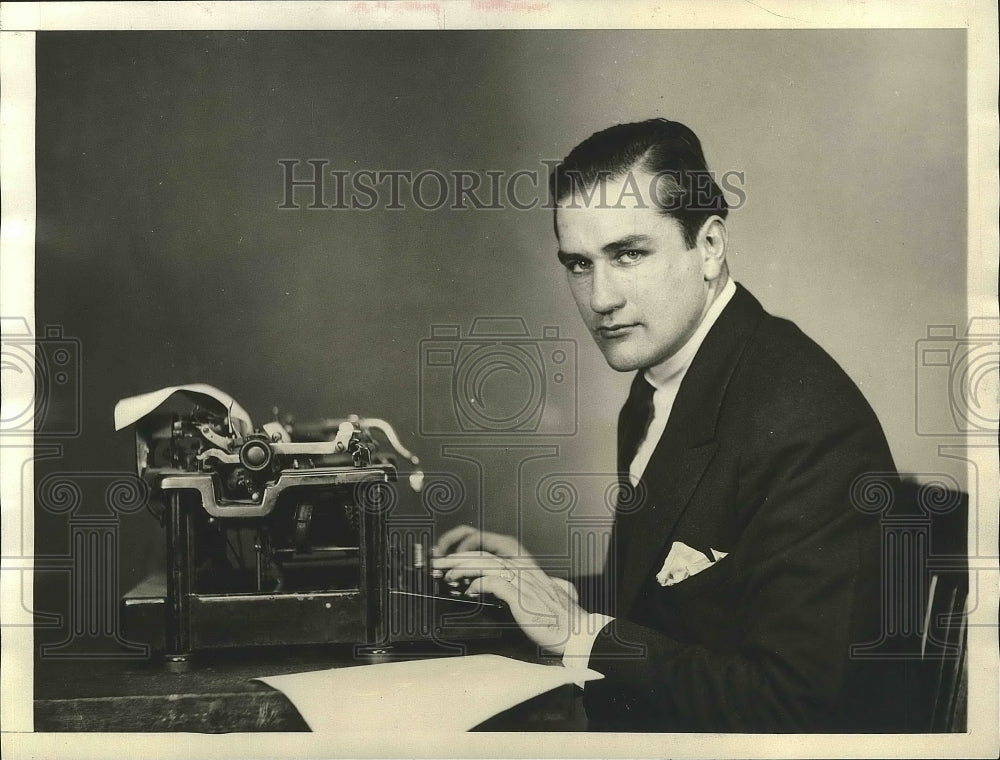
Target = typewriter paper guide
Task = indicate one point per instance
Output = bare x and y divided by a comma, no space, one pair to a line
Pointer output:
134,408
430,696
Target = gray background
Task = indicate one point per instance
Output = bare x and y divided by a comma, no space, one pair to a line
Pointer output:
161,246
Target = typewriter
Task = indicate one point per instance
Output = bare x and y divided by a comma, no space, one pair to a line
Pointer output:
280,534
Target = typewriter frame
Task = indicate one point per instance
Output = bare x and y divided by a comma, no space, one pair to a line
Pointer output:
195,620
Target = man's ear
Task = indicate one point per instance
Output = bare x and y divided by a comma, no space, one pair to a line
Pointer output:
713,239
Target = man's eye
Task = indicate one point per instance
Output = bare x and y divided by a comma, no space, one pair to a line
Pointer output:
629,257
576,266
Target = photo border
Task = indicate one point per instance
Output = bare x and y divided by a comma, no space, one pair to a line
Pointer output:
18,24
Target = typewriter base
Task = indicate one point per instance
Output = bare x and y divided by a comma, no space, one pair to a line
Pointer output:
223,621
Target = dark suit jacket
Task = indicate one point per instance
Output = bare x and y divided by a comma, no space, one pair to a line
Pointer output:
765,441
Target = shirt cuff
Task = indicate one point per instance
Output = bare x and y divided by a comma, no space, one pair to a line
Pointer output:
580,644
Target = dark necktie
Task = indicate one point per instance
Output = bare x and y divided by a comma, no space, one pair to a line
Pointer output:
633,422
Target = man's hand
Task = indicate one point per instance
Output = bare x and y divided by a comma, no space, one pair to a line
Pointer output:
464,538
544,607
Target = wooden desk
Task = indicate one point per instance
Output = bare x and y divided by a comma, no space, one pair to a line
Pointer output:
217,695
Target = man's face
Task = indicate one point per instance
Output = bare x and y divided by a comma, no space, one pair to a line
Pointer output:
640,289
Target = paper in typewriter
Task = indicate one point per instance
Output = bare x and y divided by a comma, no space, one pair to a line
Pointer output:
134,408
445,694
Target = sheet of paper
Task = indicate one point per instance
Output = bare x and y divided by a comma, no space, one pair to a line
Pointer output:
134,408
445,694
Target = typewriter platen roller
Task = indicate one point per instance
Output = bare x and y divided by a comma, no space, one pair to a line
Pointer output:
278,535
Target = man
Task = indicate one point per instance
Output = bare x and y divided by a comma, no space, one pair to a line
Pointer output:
740,572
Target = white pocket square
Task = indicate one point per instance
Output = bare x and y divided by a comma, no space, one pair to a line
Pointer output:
682,562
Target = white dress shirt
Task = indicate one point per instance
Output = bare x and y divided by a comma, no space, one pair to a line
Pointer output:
666,380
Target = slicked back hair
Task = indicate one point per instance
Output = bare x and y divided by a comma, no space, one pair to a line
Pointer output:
667,150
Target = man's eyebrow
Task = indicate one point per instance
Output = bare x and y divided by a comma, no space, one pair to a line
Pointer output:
565,257
629,241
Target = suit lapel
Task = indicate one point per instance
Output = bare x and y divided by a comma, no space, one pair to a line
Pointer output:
685,449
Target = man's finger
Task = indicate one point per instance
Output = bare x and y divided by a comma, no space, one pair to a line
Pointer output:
472,569
468,565
472,541
533,587
457,558
451,537
495,585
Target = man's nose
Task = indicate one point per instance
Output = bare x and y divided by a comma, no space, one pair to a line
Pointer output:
606,293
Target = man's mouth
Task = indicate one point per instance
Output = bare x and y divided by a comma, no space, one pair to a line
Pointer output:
619,330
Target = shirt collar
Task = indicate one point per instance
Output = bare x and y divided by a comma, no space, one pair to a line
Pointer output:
673,366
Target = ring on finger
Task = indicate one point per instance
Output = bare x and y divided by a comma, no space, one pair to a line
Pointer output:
507,574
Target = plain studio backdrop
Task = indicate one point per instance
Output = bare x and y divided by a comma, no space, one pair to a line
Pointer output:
162,247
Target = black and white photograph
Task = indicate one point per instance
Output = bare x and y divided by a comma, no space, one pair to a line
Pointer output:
499,379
